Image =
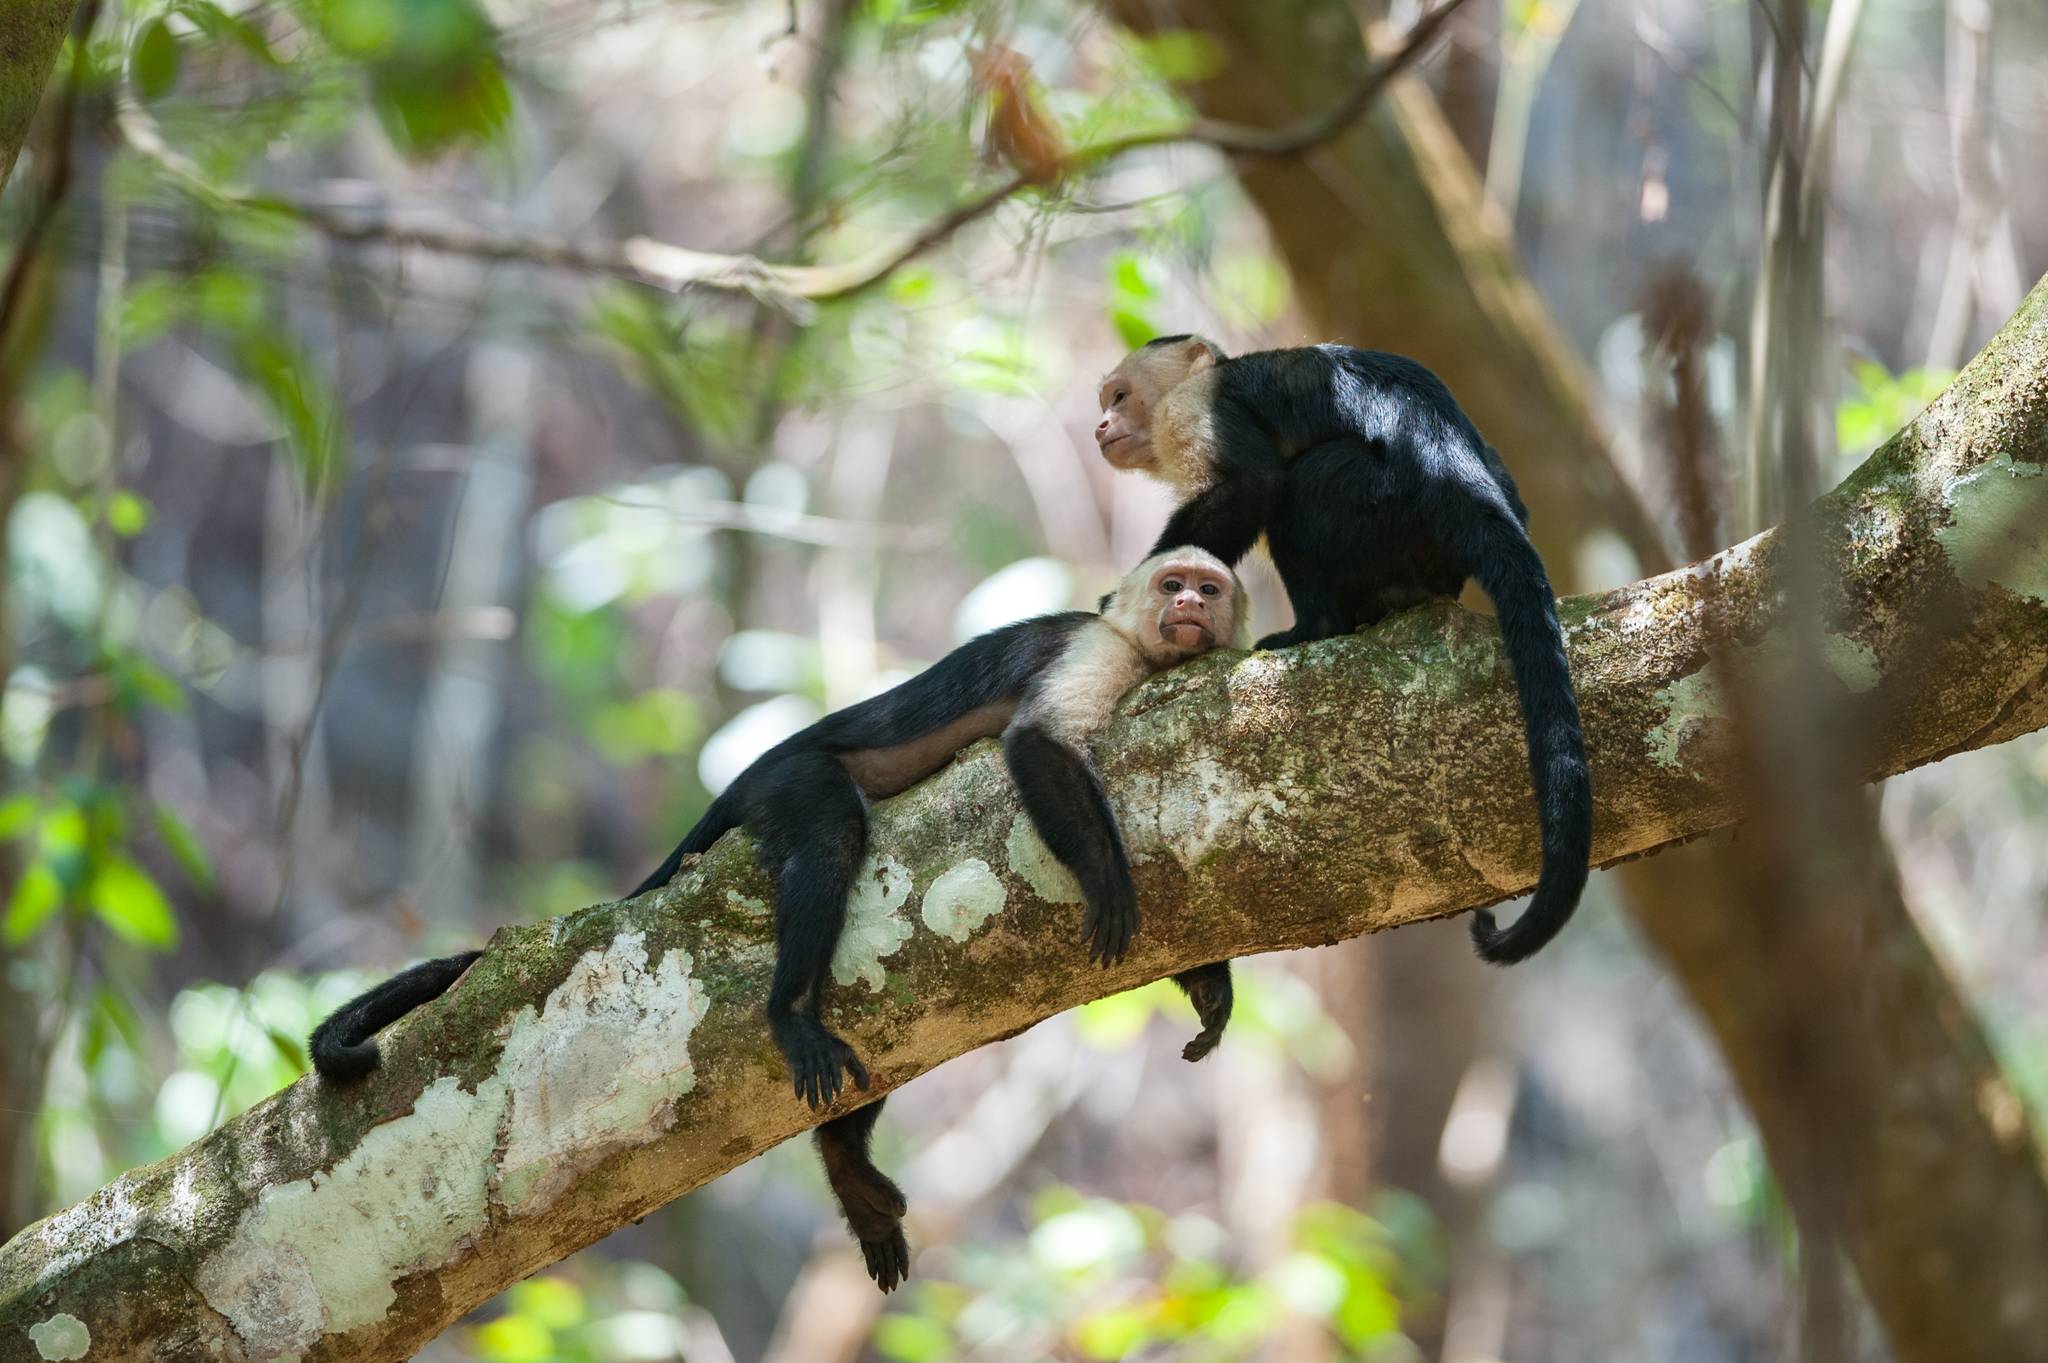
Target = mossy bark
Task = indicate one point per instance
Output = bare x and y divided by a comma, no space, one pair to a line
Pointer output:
31,34
593,1067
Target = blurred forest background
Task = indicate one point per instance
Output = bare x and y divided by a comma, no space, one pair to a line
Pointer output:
404,535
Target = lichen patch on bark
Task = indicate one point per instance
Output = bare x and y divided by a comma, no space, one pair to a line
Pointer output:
1997,511
1035,864
962,899
874,922
61,1338
597,1069
321,1254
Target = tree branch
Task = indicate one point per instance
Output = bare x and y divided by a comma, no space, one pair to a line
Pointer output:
31,33
593,1067
795,288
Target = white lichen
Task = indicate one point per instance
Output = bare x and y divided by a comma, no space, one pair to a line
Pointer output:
1853,662
597,1069
751,905
874,922
1692,699
321,1255
87,1229
963,899
1994,535
61,1338
1193,811
1034,864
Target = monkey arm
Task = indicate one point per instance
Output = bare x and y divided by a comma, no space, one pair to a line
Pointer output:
1228,516
1067,805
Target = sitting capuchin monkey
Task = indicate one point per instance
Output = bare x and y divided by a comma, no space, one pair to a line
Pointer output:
1373,492
1047,686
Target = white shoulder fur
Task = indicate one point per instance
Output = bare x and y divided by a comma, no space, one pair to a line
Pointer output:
1073,698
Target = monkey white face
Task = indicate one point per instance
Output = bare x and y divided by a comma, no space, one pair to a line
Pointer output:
1131,394
1180,603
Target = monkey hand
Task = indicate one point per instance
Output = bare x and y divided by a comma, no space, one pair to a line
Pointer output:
1109,926
816,1058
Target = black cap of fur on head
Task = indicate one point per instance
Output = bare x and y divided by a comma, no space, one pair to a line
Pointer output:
1178,337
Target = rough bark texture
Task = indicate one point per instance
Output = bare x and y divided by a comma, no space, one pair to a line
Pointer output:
595,1066
1392,245
31,34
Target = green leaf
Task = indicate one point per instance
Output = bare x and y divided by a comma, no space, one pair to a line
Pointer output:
1133,328
306,407
288,1049
183,844
37,896
133,908
228,300
555,1302
18,815
217,24
139,682
154,62
1133,278
151,307
912,1339
1182,55
515,1339
127,514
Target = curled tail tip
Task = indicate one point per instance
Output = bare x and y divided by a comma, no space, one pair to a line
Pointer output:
1541,921
1488,940
334,1058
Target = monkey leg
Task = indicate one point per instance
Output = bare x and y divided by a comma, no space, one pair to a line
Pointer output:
1208,988
872,1205
1067,805
813,828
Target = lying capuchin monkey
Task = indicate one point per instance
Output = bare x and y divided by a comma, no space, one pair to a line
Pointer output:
1047,685
1373,492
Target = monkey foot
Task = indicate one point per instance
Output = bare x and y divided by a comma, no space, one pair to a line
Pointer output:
816,1060
1204,1042
888,1259
1208,988
1108,933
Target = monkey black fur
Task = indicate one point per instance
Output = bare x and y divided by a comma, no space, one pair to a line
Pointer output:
1046,685
1373,492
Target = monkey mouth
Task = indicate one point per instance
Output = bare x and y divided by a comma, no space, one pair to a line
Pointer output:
1186,633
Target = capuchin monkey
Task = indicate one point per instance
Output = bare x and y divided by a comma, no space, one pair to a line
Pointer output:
1373,492
1047,686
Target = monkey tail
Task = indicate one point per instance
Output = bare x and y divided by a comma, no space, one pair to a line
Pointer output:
342,1046
720,819
1511,572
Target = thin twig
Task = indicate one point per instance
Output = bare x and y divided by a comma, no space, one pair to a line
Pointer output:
795,288
822,531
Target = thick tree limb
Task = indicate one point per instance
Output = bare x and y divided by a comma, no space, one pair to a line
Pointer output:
593,1067
31,32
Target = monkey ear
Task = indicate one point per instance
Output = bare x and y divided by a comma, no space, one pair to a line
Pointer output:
1200,354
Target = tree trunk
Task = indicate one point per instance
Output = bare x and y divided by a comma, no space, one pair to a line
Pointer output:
1428,270
31,34
593,1067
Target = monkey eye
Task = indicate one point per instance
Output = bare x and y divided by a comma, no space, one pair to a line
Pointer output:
1208,589
1172,584
1117,401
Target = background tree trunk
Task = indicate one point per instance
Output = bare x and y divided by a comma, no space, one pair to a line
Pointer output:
1393,245
31,34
